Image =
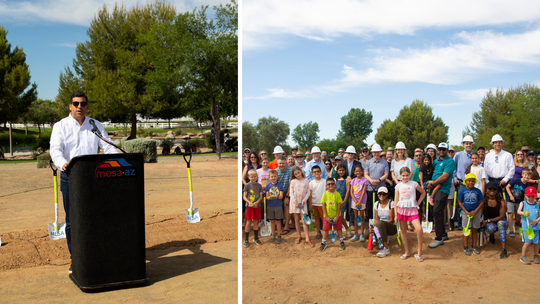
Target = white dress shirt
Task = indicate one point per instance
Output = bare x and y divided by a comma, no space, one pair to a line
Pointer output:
69,139
501,165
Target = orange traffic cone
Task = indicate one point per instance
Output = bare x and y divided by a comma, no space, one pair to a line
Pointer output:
370,242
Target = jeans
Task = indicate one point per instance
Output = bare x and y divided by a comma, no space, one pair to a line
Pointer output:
64,187
440,201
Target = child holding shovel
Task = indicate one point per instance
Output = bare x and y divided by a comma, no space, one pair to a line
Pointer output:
471,201
331,201
253,195
274,196
528,210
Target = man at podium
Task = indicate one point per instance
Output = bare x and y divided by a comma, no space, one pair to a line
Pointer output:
73,136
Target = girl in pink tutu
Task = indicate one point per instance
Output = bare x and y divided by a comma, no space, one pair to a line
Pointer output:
407,210
300,193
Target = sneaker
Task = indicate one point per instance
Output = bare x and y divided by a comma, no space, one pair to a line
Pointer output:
524,260
503,255
349,234
70,271
341,245
323,247
272,238
512,234
387,250
278,241
362,238
466,250
492,239
435,244
475,249
536,259
445,238
257,241
382,253
246,243
355,238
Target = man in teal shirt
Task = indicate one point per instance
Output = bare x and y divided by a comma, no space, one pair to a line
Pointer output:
443,170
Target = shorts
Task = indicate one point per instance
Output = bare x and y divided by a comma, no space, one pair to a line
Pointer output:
318,211
326,226
354,206
511,207
535,240
475,221
407,218
253,213
363,206
274,213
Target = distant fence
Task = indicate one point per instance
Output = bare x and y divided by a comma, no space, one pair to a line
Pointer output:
163,125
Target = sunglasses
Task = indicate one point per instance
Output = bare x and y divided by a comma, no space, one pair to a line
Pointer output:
263,154
382,193
299,157
519,154
253,157
418,155
76,104
330,184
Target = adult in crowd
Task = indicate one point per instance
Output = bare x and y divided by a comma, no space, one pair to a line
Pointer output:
341,152
72,136
364,157
291,161
254,163
263,154
278,152
494,214
499,165
245,156
300,161
400,160
324,155
519,163
384,219
294,152
333,158
531,159
376,172
284,176
525,150
451,151
536,171
349,162
416,150
316,153
390,185
462,160
431,149
308,156
481,151
443,168
330,171
417,163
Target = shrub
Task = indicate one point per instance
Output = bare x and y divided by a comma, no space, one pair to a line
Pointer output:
43,143
43,160
146,146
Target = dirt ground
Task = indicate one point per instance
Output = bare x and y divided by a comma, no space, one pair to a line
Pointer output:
291,273
185,262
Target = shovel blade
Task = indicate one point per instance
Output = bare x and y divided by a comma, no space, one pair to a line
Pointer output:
466,231
359,221
529,233
427,227
57,232
192,216
333,237
307,219
266,231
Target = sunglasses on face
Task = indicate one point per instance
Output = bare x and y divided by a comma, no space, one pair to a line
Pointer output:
253,157
76,104
418,155
317,171
299,157
330,184
263,154
382,194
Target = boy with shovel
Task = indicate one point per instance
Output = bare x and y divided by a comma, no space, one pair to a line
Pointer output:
471,201
331,202
528,210
253,195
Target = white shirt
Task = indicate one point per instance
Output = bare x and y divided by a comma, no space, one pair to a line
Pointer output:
69,139
501,165
317,190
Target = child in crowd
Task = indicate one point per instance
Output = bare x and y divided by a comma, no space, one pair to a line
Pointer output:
252,196
299,193
317,187
471,201
358,195
529,209
478,171
426,173
514,190
406,211
274,209
343,184
331,201
494,216
263,173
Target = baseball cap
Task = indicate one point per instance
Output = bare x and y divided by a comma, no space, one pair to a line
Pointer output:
530,191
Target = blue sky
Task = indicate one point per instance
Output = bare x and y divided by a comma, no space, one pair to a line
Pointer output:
315,60
48,31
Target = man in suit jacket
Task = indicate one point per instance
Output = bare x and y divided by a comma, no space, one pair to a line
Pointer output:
350,163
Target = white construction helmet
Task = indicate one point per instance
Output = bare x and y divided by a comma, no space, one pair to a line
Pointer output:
400,145
350,149
495,138
467,138
430,146
315,150
376,148
278,149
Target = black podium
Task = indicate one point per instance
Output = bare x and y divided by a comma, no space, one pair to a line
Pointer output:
106,194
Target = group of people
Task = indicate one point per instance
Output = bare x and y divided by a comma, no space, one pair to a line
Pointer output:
387,192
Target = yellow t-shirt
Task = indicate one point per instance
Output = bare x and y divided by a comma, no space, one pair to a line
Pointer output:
331,201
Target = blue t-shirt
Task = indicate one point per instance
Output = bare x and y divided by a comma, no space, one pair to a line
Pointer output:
533,210
517,187
274,189
471,198
441,166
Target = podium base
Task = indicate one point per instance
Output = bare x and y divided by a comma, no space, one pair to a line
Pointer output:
108,285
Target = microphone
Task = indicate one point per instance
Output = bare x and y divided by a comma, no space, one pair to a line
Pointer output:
95,130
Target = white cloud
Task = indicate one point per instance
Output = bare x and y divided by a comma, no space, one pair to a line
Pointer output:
77,11
70,45
280,93
325,20
476,94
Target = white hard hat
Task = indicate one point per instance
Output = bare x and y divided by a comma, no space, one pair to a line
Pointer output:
376,148
467,138
430,146
278,149
350,149
400,145
495,138
315,150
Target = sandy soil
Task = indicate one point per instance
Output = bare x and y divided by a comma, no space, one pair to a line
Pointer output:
291,273
185,262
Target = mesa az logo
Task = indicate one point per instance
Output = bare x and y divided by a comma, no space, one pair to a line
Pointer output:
115,167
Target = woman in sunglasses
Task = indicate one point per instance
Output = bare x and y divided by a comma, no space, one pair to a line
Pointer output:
329,169
384,219
253,163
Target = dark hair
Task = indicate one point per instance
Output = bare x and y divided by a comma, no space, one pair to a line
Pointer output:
498,195
78,94
428,168
341,166
331,179
256,155
354,169
281,158
468,169
316,167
